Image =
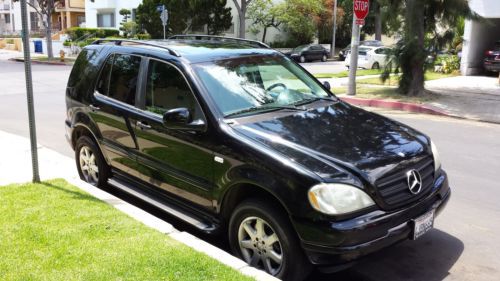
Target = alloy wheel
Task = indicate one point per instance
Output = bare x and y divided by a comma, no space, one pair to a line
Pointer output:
260,245
88,165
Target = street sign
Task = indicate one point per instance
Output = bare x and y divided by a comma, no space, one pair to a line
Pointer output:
164,17
360,22
361,8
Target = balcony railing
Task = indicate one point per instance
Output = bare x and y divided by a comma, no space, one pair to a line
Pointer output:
4,7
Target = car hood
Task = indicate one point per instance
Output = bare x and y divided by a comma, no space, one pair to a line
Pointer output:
337,138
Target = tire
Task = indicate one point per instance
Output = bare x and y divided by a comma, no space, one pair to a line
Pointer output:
375,65
324,58
302,59
90,162
275,227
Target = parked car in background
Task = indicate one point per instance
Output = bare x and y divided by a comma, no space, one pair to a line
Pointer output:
492,58
372,43
311,52
370,57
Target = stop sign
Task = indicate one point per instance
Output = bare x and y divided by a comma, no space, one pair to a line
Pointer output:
361,8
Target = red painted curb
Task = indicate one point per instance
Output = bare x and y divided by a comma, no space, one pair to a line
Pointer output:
404,106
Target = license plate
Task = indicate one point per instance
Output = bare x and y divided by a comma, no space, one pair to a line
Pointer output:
423,224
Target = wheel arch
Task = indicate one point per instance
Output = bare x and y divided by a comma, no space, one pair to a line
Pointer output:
239,192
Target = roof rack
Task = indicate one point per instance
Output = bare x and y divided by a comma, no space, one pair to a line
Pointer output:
218,38
120,41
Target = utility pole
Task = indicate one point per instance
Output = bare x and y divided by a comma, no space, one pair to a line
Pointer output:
332,49
353,63
29,90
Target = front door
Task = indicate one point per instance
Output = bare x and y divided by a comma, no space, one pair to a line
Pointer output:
175,161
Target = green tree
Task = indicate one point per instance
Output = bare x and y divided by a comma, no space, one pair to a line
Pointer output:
214,14
422,18
298,17
183,15
128,28
149,18
263,15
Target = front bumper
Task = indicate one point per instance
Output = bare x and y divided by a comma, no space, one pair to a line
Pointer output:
334,244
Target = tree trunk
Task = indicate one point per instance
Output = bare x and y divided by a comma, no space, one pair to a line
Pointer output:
415,39
264,35
242,15
48,34
378,21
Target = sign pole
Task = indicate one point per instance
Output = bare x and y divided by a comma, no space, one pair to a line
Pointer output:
360,11
353,63
332,49
164,24
29,90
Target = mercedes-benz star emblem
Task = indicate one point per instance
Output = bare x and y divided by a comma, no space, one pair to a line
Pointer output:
414,181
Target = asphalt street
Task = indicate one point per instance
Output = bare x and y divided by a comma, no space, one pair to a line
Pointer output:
462,246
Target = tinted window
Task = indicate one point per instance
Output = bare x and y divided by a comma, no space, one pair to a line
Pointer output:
103,83
123,78
167,89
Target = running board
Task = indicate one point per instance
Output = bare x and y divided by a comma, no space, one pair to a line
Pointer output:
169,208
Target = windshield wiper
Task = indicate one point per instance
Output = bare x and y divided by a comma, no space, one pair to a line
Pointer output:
312,99
264,108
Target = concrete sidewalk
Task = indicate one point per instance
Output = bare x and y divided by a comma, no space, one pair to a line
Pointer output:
469,97
15,167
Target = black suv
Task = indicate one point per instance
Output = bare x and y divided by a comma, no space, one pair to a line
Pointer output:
233,137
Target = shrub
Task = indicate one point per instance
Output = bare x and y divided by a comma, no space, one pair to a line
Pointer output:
143,36
448,63
67,43
78,32
9,41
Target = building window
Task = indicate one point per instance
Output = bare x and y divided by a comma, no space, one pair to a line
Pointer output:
7,18
34,21
106,20
80,20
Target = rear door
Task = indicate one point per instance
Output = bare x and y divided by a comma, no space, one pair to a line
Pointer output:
114,104
175,161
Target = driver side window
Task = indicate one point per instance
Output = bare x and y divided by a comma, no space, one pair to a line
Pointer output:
168,89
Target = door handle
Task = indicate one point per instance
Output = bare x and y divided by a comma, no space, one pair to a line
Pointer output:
143,126
94,108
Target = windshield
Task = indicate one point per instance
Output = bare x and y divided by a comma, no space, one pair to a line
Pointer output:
257,83
300,48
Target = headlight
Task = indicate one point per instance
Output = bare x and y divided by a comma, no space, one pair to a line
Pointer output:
437,159
336,199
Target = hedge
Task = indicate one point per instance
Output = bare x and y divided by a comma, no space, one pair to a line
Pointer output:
78,32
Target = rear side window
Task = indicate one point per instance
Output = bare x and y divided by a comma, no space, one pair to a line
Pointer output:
119,77
167,89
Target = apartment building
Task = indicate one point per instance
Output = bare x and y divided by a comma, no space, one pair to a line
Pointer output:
6,17
68,13
106,13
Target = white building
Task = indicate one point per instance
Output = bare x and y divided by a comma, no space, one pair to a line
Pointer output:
10,18
106,13
480,36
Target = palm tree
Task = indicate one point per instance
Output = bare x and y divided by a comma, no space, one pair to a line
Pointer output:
421,18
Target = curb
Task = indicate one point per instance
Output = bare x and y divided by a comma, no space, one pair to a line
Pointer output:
396,105
166,228
39,62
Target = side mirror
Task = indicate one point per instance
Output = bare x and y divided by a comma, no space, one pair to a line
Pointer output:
327,85
182,119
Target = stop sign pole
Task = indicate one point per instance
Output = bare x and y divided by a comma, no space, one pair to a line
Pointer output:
360,9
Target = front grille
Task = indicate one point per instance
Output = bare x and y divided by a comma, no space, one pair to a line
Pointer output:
393,187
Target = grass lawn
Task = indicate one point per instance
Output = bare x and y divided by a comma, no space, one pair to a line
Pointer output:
384,93
54,231
345,73
429,75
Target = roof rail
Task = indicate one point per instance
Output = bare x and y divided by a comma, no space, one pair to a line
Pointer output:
218,38
120,41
